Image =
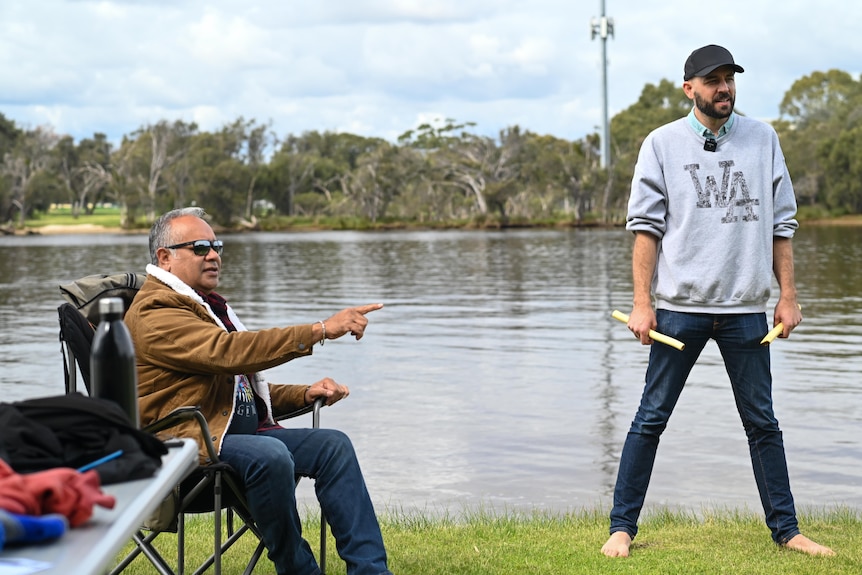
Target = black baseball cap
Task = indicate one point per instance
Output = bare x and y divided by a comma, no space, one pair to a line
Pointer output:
704,60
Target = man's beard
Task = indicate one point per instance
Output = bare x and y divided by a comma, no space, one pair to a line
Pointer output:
708,108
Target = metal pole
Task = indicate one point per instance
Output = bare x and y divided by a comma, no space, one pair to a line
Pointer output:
604,27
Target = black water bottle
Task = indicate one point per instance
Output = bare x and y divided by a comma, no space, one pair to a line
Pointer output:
113,374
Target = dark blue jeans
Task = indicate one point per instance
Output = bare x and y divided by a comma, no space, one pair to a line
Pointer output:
268,463
748,365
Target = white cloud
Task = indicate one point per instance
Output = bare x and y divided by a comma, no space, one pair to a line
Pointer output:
533,55
225,41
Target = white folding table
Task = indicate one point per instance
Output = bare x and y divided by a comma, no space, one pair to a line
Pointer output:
91,548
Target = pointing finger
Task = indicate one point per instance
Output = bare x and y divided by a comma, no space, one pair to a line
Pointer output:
364,309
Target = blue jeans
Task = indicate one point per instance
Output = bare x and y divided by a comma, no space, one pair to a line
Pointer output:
268,464
747,363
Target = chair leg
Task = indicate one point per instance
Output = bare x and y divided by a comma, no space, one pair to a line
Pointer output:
315,423
322,561
252,563
147,549
217,516
225,546
143,544
181,544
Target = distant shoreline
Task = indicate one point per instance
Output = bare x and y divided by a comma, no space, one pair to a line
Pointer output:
53,229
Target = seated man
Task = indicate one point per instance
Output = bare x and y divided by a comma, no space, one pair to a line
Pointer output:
192,350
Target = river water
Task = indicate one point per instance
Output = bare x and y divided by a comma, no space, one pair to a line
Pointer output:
494,376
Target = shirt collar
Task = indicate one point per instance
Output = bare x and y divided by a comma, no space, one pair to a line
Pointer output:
705,132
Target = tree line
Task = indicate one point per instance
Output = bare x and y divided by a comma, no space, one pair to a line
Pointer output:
440,173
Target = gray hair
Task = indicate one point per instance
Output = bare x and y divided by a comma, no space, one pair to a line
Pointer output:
161,234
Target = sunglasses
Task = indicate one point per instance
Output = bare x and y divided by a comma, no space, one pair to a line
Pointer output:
200,247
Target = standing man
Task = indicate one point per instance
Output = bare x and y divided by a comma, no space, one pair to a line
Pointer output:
712,209
193,350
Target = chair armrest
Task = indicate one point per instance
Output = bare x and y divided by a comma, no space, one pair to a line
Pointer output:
180,415
314,409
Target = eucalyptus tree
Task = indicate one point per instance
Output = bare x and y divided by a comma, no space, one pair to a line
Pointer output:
258,141
317,168
178,178
169,142
424,198
842,160
9,134
219,179
95,178
484,170
83,169
819,127
30,156
66,161
289,173
127,181
381,177
502,164
560,176
244,146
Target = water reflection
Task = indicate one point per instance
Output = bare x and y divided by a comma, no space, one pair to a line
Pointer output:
495,374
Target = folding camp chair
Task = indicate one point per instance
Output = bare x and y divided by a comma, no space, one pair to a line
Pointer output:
208,489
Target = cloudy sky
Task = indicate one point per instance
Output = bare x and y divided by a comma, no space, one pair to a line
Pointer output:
381,67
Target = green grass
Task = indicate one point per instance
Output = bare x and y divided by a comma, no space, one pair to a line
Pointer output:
490,543
62,216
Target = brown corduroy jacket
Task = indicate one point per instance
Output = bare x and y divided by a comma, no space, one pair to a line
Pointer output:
185,359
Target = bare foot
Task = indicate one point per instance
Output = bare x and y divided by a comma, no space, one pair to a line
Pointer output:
805,545
619,542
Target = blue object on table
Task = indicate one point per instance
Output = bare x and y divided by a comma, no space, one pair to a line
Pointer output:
100,461
21,529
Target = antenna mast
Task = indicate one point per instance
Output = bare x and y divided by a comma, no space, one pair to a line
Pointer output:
604,27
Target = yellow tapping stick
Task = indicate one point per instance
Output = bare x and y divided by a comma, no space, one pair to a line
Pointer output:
659,337
774,332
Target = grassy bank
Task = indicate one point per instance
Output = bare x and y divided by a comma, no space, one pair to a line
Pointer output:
669,543
102,216
61,220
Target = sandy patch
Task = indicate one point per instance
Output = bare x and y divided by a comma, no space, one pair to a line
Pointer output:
79,229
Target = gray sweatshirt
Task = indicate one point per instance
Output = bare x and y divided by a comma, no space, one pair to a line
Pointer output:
715,214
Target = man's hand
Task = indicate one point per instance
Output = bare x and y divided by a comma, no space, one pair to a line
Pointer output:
788,313
351,320
641,321
327,388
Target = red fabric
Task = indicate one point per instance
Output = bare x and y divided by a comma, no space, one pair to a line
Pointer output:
61,490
